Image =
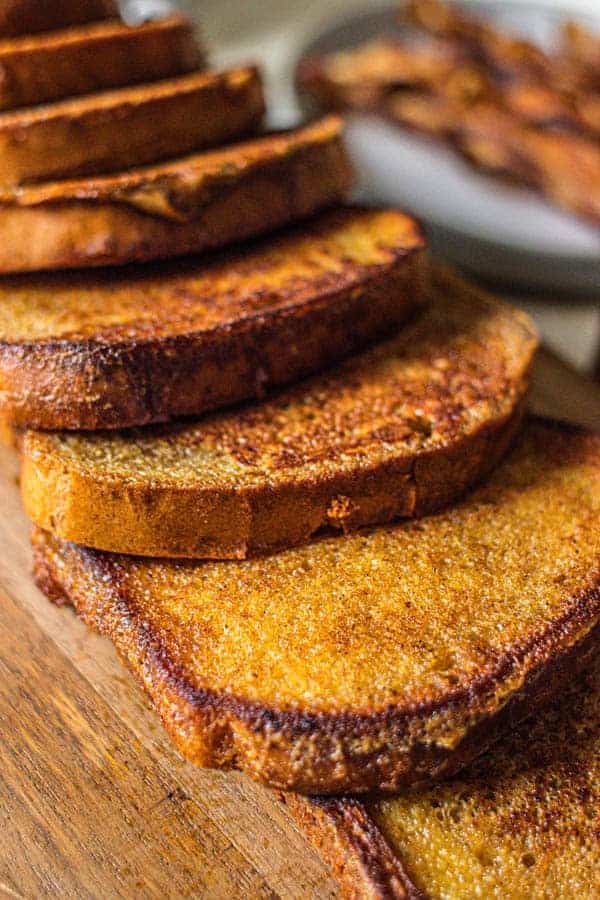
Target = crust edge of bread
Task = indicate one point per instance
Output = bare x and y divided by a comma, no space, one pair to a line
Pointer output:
258,520
237,521
324,752
55,385
47,67
351,844
115,130
267,193
32,17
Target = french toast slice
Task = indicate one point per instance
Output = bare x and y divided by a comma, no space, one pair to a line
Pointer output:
522,821
31,16
92,58
145,345
132,126
183,206
382,660
399,431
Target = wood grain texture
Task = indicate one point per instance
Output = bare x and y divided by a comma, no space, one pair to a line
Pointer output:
94,802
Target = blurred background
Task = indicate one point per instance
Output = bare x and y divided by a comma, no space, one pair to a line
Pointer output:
276,33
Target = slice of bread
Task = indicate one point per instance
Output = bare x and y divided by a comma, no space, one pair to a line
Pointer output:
31,16
184,206
145,345
381,660
93,58
523,821
132,126
350,842
399,431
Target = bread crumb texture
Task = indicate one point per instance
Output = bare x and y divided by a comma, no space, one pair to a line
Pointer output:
524,821
396,616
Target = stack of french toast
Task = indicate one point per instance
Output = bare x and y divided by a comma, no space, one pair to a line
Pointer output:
292,476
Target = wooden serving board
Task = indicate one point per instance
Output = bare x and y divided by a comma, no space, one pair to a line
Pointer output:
94,802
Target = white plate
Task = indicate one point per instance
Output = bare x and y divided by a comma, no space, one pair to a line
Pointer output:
499,231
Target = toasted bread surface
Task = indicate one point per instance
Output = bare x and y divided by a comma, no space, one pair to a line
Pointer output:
150,344
31,16
382,660
132,126
523,821
183,206
95,57
398,431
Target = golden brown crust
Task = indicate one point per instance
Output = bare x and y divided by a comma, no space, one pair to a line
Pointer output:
92,58
144,346
31,16
344,450
522,820
154,519
178,188
9,435
187,206
115,130
349,841
328,746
